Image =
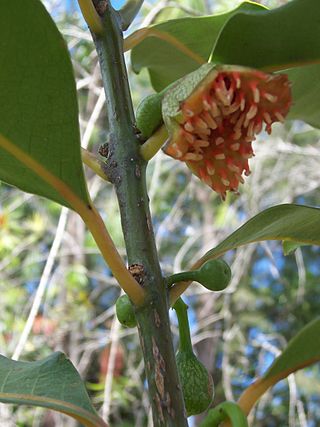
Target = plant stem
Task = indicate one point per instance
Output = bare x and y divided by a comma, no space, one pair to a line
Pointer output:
126,170
154,143
91,16
181,277
181,309
94,163
129,11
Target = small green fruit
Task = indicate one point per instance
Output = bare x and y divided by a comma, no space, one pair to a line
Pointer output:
214,275
125,312
196,382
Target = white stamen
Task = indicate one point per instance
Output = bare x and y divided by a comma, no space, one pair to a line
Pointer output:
267,118
238,82
237,134
189,113
242,104
246,123
214,109
201,124
249,138
201,143
220,156
223,96
256,95
210,169
233,107
178,153
258,128
234,168
210,120
230,94
250,130
252,112
279,116
239,122
271,98
203,133
206,104
235,147
193,157
188,127
225,182
189,137
219,140
207,180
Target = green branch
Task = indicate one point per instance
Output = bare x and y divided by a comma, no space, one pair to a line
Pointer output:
129,11
127,170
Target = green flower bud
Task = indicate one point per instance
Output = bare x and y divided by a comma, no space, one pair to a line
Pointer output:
125,312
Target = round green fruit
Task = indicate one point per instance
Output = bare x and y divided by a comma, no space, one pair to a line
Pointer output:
196,382
214,275
125,312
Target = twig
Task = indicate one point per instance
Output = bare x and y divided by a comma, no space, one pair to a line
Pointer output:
114,339
42,284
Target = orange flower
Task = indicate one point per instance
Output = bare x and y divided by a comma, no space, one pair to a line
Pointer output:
212,128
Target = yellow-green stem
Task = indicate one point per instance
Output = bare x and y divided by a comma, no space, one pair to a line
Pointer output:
93,163
154,143
91,16
109,252
137,37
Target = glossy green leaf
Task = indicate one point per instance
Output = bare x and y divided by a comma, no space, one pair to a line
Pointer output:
51,383
290,247
225,411
283,222
277,39
166,62
302,351
38,109
272,39
305,93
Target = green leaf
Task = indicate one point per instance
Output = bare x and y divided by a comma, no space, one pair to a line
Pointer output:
289,247
283,222
250,35
275,40
38,109
225,411
272,39
306,94
51,383
302,351
167,62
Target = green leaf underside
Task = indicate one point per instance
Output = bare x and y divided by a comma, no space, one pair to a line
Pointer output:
165,62
283,222
38,109
302,350
250,35
52,383
290,247
305,93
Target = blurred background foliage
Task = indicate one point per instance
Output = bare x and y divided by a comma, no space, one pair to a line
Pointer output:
62,297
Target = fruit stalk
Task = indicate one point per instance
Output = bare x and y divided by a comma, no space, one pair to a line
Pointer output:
181,309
